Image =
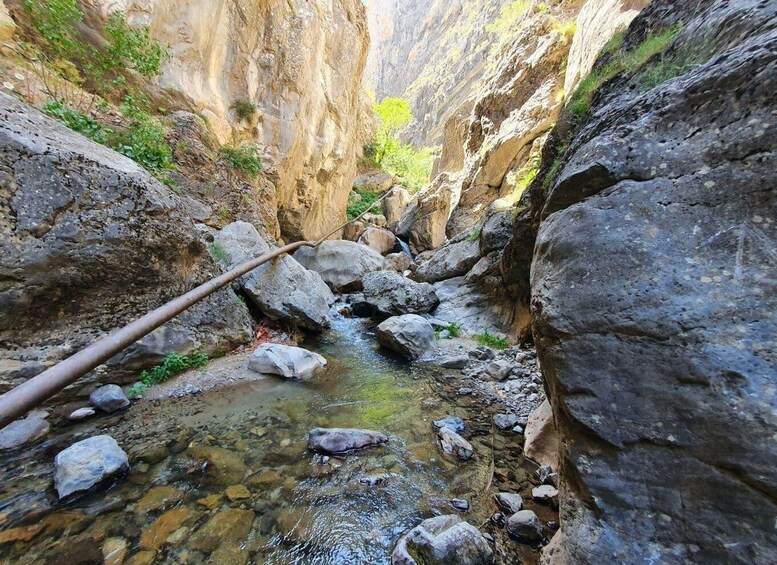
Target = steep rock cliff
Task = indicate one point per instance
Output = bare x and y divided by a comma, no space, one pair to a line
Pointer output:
300,63
653,294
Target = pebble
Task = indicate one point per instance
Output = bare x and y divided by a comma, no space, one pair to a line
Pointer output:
465,391
81,414
509,502
545,493
459,504
505,421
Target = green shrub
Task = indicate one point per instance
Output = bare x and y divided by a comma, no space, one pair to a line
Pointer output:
356,209
55,21
244,159
143,140
221,254
244,109
172,365
453,329
130,48
490,340
75,120
474,235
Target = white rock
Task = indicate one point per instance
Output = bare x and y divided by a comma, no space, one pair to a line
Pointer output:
286,361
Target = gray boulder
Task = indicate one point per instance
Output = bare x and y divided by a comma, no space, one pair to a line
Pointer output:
286,361
453,444
379,239
282,289
545,493
509,502
24,431
455,361
109,398
86,463
395,203
393,294
525,526
506,421
451,422
342,264
409,335
342,440
443,540
496,231
451,260
399,262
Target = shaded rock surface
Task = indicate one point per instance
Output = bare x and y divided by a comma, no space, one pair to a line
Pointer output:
109,398
525,526
443,540
452,260
23,431
286,361
342,264
86,463
409,335
343,440
379,239
393,294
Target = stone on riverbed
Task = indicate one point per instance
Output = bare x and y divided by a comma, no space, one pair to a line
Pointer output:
506,421
453,444
17,433
109,398
443,540
525,526
393,294
342,440
286,361
509,502
545,493
86,463
81,413
451,422
399,262
409,335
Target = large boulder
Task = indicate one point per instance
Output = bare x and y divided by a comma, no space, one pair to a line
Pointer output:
374,181
286,361
472,309
443,540
395,203
90,241
453,444
343,440
379,239
392,294
282,289
541,443
409,335
342,264
654,294
452,260
86,463
423,222
496,231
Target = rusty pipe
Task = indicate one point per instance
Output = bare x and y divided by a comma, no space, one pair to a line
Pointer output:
18,401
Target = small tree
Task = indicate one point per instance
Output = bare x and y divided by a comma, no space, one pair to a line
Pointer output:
394,113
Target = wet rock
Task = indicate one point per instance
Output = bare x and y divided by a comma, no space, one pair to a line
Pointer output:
525,526
505,421
393,294
409,335
86,463
157,534
221,466
153,454
145,557
21,432
109,398
459,504
455,362
379,239
342,440
80,552
229,554
499,370
399,262
159,498
237,492
286,361
453,444
451,422
374,481
211,501
545,493
81,414
342,264
228,526
451,260
443,540
509,502
114,551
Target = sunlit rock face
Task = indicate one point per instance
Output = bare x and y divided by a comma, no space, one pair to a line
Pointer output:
300,63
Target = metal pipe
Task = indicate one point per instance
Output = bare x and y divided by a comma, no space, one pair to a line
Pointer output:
18,401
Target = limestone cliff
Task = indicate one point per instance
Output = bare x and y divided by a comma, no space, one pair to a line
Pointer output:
653,292
300,63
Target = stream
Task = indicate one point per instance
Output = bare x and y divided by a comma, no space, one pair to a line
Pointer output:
225,476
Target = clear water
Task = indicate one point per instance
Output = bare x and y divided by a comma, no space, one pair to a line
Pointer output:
304,512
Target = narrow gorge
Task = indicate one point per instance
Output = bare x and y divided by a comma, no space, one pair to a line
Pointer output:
388,281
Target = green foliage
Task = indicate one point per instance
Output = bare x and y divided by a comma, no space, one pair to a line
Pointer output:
474,235
491,340
508,16
131,48
143,140
453,329
356,209
244,159
224,213
172,365
394,114
75,120
244,109
221,254
55,21
566,30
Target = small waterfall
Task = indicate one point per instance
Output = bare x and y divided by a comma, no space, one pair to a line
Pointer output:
404,247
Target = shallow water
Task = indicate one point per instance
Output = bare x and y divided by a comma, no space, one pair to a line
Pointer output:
296,508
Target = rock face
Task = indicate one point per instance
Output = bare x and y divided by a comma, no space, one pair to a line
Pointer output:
443,540
86,463
409,335
660,365
452,260
88,242
343,440
392,294
342,264
286,361
282,289
395,203
301,64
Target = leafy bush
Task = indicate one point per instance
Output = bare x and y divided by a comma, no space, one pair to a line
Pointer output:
221,254
244,109
55,21
491,340
356,209
75,120
244,159
453,329
172,365
144,141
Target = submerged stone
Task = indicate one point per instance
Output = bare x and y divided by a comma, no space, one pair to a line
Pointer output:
451,422
342,440
443,540
86,463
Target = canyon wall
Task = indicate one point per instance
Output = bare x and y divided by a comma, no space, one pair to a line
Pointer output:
300,63
653,293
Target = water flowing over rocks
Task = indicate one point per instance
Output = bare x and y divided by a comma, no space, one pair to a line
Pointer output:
86,463
409,335
342,264
341,440
443,540
286,361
